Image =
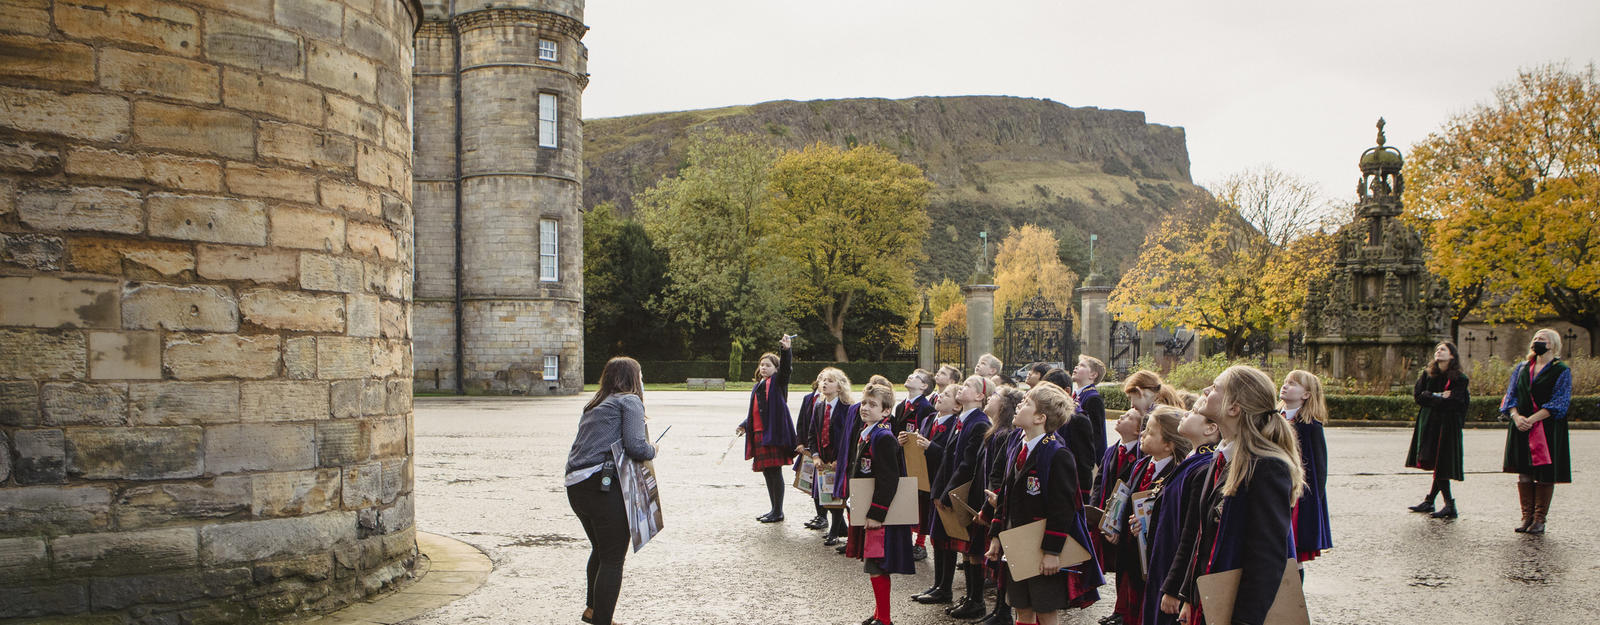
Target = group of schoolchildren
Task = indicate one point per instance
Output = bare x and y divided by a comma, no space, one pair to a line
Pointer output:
1235,479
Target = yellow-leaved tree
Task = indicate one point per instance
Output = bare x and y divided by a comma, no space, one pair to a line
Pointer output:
853,223
1508,195
1237,271
1027,264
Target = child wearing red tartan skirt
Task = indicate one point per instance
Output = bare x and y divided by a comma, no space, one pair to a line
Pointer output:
770,444
885,550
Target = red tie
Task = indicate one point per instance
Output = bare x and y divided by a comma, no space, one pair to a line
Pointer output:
1124,454
826,410
1149,473
1022,456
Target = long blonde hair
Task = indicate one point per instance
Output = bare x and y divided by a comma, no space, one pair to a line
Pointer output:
1315,410
840,381
1262,433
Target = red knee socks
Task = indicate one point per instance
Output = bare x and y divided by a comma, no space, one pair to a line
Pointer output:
880,596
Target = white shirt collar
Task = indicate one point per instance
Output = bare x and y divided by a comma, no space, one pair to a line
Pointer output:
966,412
1128,446
944,419
1291,412
1226,450
1034,442
1161,465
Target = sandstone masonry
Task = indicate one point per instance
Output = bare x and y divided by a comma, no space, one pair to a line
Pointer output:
205,304
498,195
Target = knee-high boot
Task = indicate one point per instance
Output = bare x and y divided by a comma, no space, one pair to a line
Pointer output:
1541,506
1525,496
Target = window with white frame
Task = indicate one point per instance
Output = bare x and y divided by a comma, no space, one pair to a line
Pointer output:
548,270
552,367
547,121
547,50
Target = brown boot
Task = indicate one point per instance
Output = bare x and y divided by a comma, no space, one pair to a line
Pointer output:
1541,506
1525,494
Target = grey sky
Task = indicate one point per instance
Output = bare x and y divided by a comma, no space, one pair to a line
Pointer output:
1292,83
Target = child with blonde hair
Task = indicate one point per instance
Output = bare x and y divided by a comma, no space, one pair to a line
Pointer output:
1306,408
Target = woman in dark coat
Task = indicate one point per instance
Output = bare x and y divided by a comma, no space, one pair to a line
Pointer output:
1536,444
1436,441
768,429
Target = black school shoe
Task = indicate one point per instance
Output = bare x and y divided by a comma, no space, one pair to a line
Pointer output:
932,590
919,553
967,610
873,620
933,597
1426,506
1113,619
1448,512
817,523
831,541
771,517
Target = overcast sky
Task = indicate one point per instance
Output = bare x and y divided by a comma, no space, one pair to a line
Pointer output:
1297,84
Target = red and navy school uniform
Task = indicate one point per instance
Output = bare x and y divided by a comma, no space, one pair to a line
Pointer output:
939,432
1116,464
1078,435
1039,484
1146,474
1248,530
909,414
769,430
803,427
1310,514
1094,407
959,466
878,458
1170,552
997,454
850,427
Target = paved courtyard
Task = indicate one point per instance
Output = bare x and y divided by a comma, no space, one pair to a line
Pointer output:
489,471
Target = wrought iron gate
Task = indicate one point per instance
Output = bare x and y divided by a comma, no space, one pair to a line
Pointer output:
1037,331
1124,347
950,347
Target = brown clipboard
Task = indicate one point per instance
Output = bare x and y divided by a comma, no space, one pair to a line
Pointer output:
1024,552
902,509
1219,590
954,525
917,465
1092,515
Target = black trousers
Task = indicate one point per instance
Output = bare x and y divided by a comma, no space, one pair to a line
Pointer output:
605,521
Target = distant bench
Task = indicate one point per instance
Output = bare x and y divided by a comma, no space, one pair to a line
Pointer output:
707,384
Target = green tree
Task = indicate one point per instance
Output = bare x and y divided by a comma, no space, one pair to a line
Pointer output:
717,225
1509,197
621,272
853,223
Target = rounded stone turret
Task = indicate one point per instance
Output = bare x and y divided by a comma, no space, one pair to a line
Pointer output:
499,183
205,294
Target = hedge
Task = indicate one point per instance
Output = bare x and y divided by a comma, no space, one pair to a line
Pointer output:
676,371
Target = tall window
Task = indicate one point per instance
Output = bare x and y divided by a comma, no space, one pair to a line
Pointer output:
548,271
547,50
547,120
552,367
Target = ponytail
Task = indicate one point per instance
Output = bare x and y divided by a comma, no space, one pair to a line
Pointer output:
1263,432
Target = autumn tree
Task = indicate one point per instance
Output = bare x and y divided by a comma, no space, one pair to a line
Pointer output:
1028,263
852,224
1234,270
1509,195
717,224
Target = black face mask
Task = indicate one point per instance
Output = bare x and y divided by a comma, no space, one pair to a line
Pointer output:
1540,347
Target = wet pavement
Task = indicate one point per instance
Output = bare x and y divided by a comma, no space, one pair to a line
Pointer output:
489,472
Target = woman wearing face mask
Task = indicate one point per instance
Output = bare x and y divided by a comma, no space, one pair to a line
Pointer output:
1536,444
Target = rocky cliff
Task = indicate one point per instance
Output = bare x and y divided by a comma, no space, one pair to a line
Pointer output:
997,162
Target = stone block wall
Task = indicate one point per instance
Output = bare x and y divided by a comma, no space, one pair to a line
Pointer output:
205,307
478,81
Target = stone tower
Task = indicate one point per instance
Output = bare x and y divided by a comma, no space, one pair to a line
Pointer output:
205,289
499,166
1380,312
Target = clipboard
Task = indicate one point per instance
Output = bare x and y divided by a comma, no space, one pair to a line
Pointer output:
917,465
902,510
961,502
1219,590
1093,515
1142,503
1024,553
954,526
825,496
804,477
1110,524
